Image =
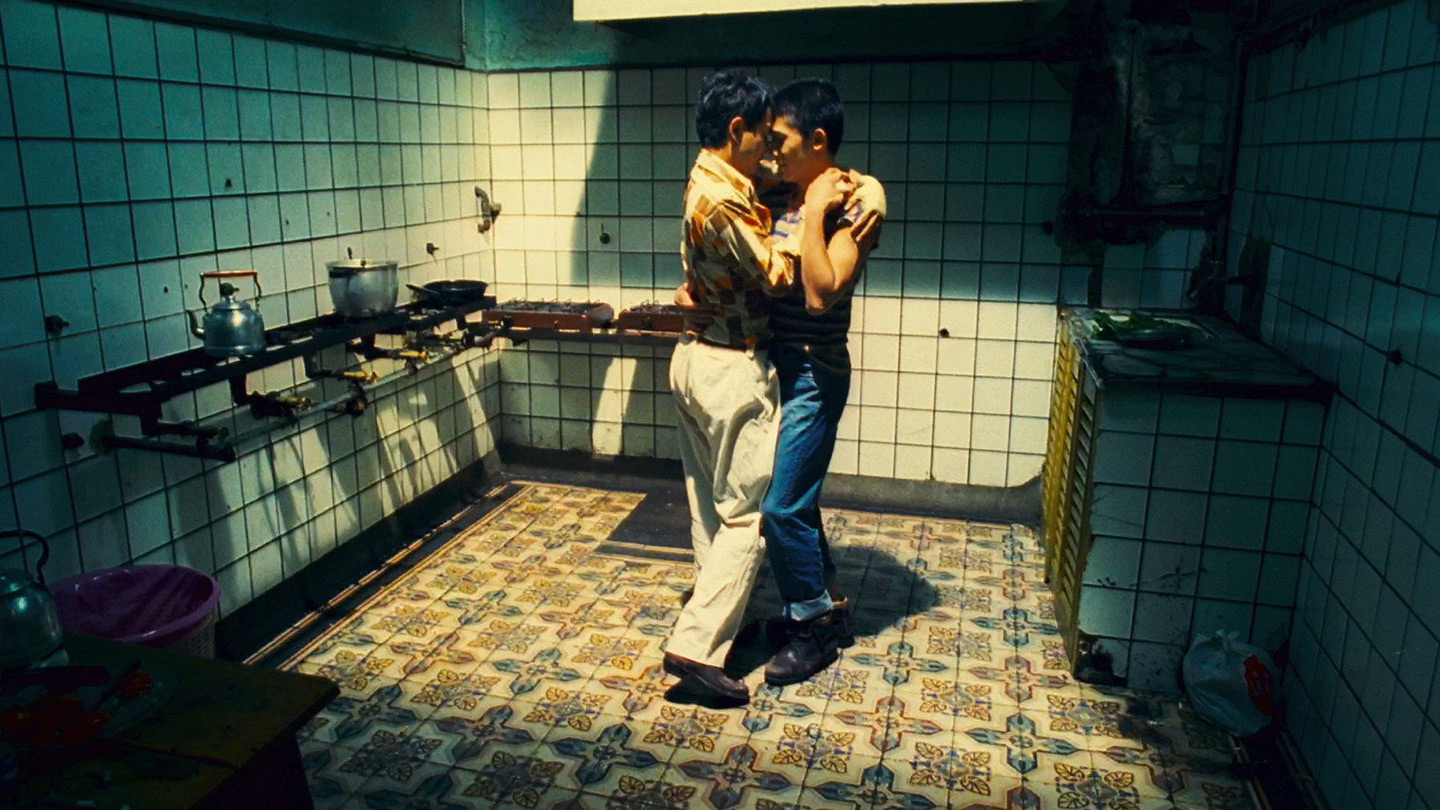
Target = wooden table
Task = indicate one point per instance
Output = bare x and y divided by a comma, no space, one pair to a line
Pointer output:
224,739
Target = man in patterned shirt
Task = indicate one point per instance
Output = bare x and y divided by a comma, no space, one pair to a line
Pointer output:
726,392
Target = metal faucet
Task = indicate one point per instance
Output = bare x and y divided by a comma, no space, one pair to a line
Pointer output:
488,211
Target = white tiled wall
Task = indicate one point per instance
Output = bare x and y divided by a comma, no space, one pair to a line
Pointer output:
1199,517
1153,276
1340,168
135,155
972,156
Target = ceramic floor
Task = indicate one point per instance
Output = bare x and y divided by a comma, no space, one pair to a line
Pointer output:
519,668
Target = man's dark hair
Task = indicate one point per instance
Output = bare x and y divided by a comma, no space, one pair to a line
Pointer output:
725,95
813,104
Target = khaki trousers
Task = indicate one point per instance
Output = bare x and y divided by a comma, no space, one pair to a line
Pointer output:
729,413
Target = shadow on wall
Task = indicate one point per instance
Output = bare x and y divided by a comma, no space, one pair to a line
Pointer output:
598,187
305,491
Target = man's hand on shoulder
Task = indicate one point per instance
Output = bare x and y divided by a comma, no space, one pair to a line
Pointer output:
830,189
866,228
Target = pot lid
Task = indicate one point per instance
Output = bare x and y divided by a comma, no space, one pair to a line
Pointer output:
349,267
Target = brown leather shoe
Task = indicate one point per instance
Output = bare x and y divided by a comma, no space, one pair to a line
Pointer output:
814,645
777,629
707,680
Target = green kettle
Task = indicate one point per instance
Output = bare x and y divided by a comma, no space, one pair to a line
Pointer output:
29,622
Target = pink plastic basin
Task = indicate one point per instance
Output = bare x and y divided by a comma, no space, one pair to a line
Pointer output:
154,605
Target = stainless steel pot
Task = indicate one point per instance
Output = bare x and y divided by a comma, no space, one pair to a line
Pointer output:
29,623
360,288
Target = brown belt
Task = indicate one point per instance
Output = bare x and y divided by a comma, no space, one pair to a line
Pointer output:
737,345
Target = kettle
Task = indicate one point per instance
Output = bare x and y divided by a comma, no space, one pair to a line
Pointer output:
29,622
232,328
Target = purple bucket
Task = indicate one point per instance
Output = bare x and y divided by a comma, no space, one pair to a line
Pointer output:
153,605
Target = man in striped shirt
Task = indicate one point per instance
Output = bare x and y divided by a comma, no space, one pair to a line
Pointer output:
810,325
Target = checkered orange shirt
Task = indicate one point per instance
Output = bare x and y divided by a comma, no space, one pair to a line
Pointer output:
732,267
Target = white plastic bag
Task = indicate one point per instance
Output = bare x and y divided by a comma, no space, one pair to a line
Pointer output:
1230,683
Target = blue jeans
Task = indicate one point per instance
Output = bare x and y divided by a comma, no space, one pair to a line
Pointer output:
812,398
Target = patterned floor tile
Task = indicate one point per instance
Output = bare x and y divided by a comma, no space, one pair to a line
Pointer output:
560,709
417,619
471,611
1093,779
1023,680
1175,747
611,653
559,799
814,748
639,692
669,791
873,624
770,708
1080,718
596,758
524,673
689,728
892,725
868,783
596,615
964,643
1215,791
357,633
468,738
1159,767
968,599
842,685
417,660
739,773
351,668
1005,794
1020,627
966,776
512,778
1016,584
1084,788
961,700
333,801
416,656
425,786
394,706
329,784
517,668
1020,745
903,661
500,633
388,759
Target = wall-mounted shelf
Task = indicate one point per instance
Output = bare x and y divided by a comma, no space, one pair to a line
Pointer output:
588,321
142,389
627,337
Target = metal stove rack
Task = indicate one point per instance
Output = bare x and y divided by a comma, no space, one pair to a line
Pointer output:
141,389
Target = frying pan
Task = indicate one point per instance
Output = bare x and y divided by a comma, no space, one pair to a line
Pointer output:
450,292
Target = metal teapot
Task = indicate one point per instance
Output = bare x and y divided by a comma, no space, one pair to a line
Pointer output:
29,622
232,328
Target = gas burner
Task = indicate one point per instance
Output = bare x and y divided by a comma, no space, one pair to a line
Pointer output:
581,316
652,317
